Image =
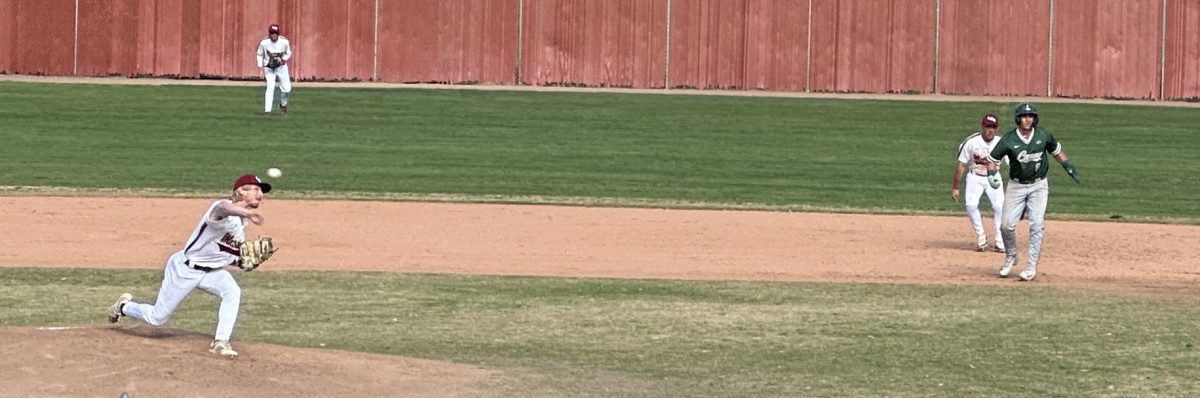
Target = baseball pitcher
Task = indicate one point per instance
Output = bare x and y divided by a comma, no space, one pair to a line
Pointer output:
1028,149
273,55
219,240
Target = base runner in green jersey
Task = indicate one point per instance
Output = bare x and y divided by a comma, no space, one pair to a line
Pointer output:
1028,149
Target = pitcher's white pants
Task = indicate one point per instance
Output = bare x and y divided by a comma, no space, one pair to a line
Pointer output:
285,86
977,185
178,281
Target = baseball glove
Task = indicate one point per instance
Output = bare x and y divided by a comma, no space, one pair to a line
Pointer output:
256,251
275,60
994,179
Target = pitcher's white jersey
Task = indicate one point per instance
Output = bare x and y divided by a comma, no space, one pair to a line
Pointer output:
974,147
267,47
215,243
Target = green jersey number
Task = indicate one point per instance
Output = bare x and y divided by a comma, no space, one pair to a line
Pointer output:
1030,162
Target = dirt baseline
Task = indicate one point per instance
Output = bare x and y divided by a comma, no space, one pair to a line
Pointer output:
600,242
506,240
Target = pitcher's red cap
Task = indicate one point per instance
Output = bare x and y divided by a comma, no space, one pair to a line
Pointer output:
990,120
251,179
273,29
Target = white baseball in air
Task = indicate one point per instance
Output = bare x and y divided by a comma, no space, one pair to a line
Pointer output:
274,172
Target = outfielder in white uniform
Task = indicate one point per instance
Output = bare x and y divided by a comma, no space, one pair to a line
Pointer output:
201,264
973,160
275,46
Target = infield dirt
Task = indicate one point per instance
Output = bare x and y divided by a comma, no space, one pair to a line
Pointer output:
98,360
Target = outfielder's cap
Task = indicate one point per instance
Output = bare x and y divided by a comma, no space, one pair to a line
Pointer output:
251,179
990,120
273,29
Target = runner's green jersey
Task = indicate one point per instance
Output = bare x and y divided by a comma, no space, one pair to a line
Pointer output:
1027,160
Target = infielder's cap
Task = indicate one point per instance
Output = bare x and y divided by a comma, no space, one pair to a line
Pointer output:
273,29
989,120
251,179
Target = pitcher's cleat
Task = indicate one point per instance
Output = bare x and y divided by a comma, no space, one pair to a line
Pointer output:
222,348
115,311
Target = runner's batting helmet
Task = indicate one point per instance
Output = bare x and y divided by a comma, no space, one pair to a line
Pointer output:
1023,109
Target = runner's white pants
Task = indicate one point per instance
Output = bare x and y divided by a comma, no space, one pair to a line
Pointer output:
1030,200
178,281
285,86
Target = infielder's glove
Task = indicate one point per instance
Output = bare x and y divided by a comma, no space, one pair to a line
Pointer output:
275,60
256,251
994,179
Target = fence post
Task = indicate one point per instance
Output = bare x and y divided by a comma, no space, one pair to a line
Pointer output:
1050,56
375,46
1162,55
808,53
667,62
75,44
520,41
937,41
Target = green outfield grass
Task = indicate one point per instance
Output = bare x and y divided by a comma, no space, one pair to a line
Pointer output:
642,338
1137,162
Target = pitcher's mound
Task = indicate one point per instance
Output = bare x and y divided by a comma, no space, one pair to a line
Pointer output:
144,361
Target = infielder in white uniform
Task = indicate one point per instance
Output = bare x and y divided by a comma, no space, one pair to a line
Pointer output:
973,157
201,264
273,55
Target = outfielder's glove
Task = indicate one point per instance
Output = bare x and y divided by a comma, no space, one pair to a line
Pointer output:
256,251
275,60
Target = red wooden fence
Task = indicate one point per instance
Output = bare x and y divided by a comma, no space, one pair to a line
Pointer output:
983,51
744,44
617,43
1137,49
37,37
873,46
447,41
1181,76
1107,48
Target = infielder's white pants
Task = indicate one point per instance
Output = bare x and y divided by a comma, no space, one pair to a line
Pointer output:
285,86
178,281
1030,200
977,185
